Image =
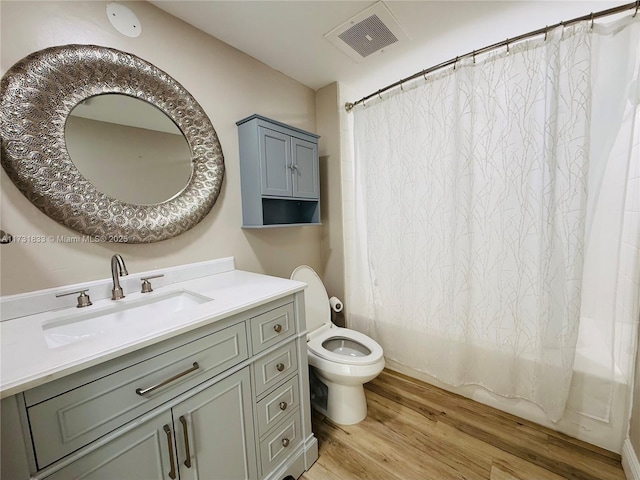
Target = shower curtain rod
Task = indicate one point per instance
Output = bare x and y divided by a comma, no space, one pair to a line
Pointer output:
592,16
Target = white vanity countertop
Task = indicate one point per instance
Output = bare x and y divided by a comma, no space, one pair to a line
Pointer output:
27,360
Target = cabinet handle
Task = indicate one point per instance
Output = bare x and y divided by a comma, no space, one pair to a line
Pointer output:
283,405
144,391
285,442
183,421
280,367
290,166
277,327
172,472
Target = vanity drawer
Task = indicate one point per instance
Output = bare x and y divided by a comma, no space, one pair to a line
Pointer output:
284,440
69,421
271,327
274,367
278,404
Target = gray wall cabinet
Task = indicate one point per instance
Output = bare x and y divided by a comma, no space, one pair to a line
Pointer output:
233,405
280,175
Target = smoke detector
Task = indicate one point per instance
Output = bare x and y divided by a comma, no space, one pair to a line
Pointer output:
367,34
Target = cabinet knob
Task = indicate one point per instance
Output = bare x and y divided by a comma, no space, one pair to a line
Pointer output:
285,442
280,367
277,327
283,405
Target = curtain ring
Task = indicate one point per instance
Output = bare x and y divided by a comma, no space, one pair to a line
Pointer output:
455,62
424,74
507,46
637,7
591,20
380,94
401,86
546,32
474,56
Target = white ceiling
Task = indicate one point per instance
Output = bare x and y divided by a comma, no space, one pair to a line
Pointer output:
289,35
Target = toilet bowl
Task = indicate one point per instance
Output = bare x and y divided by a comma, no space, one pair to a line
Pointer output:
341,360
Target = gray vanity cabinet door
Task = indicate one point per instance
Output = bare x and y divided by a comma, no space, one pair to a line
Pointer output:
306,182
141,453
215,426
275,162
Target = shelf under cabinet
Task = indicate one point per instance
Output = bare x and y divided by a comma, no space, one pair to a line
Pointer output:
280,225
281,212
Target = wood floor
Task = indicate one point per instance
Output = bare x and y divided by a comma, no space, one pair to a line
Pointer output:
415,431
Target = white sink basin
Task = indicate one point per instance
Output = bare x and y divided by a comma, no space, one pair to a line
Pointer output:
121,314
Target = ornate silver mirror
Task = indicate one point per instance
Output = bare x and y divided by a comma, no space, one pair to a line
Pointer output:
163,184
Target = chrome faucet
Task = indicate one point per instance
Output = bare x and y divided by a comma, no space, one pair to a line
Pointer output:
118,268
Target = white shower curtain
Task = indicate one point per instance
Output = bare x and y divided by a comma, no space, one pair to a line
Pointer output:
472,197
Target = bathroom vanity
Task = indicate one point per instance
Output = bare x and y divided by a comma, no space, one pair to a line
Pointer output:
204,377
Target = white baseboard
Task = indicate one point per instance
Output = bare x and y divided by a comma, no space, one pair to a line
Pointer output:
630,462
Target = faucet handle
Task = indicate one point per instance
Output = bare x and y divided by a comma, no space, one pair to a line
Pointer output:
83,299
146,285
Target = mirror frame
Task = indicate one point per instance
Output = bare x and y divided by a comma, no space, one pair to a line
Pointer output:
36,96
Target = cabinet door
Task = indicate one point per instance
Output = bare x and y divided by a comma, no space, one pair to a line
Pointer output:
306,181
214,432
145,452
275,162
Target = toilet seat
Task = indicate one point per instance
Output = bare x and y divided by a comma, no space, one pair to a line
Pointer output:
316,341
318,316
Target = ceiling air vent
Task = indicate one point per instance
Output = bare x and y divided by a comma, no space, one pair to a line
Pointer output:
368,36
367,33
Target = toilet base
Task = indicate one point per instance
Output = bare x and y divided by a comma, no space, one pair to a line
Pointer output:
344,405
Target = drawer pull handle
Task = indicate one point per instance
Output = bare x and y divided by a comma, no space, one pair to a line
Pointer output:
285,442
172,472
183,421
141,391
283,406
280,367
277,327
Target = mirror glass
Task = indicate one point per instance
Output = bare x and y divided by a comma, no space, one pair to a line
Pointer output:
128,149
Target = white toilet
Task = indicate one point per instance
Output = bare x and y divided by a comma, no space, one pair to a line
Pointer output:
343,360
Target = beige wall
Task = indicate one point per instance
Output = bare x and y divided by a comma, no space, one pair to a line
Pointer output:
227,83
331,189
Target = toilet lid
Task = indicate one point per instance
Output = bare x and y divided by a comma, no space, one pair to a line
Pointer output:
316,300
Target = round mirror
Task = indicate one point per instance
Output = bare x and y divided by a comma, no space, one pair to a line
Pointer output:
128,149
88,184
